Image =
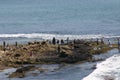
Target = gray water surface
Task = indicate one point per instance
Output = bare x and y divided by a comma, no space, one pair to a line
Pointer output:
60,16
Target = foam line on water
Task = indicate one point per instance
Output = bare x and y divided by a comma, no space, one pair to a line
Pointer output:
107,70
59,36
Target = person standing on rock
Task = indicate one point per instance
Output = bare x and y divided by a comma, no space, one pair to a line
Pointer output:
74,41
102,40
54,41
97,41
62,42
57,41
67,40
109,42
4,45
16,44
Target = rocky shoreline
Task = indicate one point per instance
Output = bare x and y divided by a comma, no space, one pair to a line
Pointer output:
45,52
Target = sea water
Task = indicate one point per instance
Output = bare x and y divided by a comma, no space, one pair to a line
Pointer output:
45,19
24,20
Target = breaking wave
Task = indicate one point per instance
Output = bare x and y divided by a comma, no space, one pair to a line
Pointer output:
107,70
59,36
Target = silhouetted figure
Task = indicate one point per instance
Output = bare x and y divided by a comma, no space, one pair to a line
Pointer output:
16,44
102,41
97,41
4,45
54,41
109,42
62,42
58,41
67,40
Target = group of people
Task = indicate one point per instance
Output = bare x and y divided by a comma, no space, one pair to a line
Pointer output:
109,42
56,41
61,42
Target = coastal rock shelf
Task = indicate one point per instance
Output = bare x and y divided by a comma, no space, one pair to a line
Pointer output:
45,52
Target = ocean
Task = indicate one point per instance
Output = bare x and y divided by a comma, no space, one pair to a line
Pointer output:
29,20
44,19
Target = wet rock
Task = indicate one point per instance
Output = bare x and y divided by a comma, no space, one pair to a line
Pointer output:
20,73
27,68
17,75
43,52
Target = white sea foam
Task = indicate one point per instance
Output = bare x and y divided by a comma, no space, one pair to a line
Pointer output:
107,70
50,36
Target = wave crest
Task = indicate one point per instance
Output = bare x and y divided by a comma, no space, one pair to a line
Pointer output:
50,36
